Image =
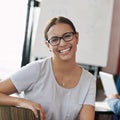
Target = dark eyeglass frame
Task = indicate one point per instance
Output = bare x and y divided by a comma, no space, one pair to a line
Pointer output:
62,37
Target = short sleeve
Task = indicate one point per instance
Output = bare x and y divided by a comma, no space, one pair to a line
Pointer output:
25,78
90,98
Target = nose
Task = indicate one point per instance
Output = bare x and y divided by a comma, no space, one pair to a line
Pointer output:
62,42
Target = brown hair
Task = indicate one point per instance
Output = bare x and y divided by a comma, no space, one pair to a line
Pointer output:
56,20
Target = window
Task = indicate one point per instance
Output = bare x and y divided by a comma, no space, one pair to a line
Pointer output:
12,32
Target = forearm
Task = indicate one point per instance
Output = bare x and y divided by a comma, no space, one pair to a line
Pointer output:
114,104
8,100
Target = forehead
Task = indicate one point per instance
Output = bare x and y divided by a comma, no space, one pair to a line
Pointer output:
59,29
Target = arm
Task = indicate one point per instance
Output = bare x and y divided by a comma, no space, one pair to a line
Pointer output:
88,109
87,112
114,103
7,88
116,96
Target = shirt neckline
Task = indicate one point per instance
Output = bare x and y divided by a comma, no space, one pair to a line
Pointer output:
59,86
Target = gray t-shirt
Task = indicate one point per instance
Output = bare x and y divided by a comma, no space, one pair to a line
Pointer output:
38,82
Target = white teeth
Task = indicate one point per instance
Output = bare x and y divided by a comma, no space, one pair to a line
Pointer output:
65,50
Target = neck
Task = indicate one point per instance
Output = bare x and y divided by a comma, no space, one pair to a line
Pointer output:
67,73
64,66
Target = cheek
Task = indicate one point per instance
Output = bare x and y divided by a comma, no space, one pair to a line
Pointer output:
53,49
75,42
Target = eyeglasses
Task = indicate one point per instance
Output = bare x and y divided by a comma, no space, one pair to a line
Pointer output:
54,41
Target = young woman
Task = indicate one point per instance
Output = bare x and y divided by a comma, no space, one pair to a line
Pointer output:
57,85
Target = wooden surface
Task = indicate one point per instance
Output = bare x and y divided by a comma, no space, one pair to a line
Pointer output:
16,113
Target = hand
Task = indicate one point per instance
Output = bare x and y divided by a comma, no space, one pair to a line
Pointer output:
32,106
116,96
113,96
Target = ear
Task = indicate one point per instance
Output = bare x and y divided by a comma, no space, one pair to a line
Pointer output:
77,37
47,44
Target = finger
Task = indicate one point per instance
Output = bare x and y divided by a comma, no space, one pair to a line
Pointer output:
35,112
42,114
38,112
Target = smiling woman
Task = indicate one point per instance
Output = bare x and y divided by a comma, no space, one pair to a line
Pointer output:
12,30
56,86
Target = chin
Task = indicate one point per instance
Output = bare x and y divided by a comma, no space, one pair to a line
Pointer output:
66,58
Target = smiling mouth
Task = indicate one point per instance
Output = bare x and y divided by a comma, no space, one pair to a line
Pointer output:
65,50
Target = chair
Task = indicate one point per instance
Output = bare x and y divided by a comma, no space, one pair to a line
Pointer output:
16,113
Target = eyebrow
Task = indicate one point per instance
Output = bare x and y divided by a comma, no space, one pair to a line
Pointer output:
60,36
53,37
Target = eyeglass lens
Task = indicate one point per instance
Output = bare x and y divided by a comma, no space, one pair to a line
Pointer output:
66,37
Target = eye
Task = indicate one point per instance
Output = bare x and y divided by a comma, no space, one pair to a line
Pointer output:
67,35
54,40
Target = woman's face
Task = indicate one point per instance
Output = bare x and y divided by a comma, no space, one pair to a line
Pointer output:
65,50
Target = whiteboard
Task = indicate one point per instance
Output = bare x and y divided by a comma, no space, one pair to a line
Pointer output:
92,19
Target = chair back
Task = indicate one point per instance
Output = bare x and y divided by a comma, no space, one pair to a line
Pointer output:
16,113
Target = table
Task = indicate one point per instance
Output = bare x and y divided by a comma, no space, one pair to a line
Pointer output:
103,111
